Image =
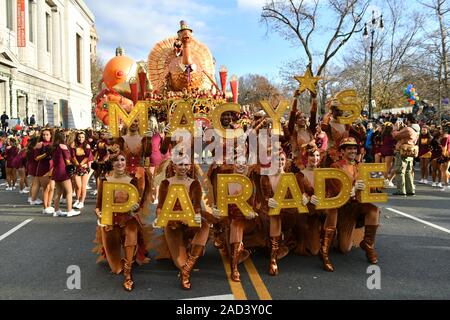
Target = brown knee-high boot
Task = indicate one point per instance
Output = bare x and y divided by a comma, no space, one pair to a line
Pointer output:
218,236
196,252
235,251
128,283
368,243
275,246
327,239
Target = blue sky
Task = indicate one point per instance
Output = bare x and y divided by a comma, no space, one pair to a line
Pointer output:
230,28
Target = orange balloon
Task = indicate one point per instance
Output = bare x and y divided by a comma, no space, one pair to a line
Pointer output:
102,113
125,103
118,70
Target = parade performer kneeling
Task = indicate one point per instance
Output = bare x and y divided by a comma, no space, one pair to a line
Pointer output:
355,214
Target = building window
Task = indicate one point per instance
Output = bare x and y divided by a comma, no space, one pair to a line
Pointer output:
30,20
48,28
9,14
3,94
79,58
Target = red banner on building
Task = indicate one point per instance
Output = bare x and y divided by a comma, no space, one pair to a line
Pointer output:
21,28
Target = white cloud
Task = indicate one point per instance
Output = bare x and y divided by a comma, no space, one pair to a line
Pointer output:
251,4
138,25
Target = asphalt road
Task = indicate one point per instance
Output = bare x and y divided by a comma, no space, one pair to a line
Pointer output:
414,260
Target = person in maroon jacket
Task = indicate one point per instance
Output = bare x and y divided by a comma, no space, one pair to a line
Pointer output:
436,153
44,168
444,160
101,155
31,170
20,162
11,152
425,153
387,149
2,158
62,167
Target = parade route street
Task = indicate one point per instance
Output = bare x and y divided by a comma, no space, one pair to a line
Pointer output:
37,250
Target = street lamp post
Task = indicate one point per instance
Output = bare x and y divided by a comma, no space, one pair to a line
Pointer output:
375,23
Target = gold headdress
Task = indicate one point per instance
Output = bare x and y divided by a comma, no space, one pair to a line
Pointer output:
350,141
114,150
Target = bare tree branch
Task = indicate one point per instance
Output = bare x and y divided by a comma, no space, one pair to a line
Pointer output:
301,19
356,20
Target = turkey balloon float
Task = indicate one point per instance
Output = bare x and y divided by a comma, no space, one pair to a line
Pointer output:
176,66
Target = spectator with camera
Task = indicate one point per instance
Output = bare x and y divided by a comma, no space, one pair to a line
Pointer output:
405,152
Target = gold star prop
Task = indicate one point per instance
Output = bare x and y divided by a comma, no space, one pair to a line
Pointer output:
308,82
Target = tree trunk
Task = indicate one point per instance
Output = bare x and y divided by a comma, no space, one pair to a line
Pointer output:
444,49
324,94
439,111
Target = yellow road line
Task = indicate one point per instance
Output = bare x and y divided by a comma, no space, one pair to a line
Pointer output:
257,282
236,287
